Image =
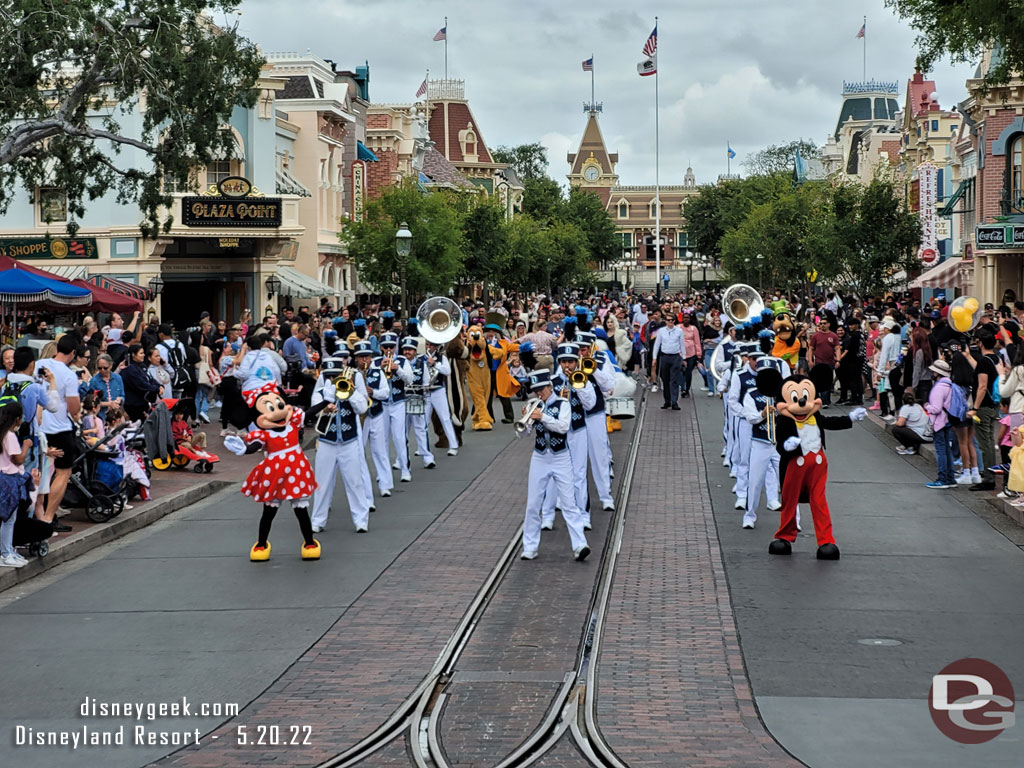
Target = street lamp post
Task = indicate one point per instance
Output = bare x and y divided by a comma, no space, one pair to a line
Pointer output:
760,278
403,247
746,269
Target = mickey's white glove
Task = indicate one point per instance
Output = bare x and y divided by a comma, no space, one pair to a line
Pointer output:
792,443
858,414
235,444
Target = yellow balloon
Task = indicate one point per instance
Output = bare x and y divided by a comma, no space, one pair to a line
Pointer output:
961,319
971,304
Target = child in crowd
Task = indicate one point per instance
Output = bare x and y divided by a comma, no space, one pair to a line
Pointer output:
92,424
183,434
16,489
518,372
1016,475
877,378
1005,443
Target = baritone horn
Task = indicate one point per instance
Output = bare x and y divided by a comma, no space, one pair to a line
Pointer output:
587,365
439,319
578,379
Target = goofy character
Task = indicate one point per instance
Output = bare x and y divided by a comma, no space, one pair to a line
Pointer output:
800,441
284,474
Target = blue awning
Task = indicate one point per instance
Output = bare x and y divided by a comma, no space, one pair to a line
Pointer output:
362,153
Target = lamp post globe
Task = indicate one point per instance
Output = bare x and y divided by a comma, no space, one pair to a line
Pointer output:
403,247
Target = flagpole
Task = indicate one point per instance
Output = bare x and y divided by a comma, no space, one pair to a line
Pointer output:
728,158
657,181
445,47
865,38
592,102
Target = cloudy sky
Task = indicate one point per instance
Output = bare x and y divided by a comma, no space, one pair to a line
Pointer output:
751,72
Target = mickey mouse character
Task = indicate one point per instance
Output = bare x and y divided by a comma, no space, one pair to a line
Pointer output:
284,474
803,468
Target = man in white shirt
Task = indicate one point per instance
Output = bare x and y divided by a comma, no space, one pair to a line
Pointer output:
172,352
59,426
668,351
260,364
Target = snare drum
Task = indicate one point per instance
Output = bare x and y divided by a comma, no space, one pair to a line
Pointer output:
415,405
620,407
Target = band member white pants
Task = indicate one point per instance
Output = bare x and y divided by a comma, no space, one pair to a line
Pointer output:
763,473
348,459
727,431
578,449
418,426
545,467
600,454
399,434
741,458
437,400
375,432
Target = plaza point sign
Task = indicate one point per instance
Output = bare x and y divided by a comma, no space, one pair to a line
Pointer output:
231,212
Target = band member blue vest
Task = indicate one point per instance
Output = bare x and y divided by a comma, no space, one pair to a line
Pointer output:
760,431
397,388
343,424
373,377
545,438
579,415
748,381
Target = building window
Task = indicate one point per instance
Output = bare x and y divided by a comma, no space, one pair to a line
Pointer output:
52,205
623,210
627,239
682,239
1016,158
654,210
935,125
217,171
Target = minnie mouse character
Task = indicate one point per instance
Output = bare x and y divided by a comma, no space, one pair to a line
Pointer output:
803,468
284,474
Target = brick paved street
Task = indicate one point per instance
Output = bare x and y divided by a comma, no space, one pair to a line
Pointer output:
672,686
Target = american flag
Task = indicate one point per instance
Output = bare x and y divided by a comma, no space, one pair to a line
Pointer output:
422,89
442,34
863,30
588,65
651,46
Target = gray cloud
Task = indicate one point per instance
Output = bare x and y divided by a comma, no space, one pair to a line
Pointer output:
753,72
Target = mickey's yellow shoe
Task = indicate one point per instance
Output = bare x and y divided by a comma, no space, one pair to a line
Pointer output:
258,553
616,425
311,551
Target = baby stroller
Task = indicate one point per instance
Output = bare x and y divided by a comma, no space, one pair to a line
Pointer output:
32,534
93,484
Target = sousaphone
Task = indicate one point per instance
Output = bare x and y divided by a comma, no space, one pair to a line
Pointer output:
439,319
740,303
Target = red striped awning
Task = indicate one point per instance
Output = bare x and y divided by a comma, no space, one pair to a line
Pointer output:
120,286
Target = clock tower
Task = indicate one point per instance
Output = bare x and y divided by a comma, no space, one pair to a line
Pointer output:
592,167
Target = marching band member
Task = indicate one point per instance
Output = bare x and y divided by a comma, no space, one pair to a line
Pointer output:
599,448
551,421
394,407
339,447
579,401
723,374
375,427
418,422
437,397
758,410
742,381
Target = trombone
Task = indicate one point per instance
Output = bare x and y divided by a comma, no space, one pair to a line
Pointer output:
345,384
525,422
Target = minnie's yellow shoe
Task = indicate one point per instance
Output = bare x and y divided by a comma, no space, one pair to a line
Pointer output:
616,425
258,554
311,551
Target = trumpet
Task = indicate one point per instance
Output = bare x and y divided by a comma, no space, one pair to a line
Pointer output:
578,379
525,422
386,362
345,384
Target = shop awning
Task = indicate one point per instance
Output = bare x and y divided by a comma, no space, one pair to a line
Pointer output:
947,209
300,286
105,300
120,286
362,153
67,271
289,185
944,275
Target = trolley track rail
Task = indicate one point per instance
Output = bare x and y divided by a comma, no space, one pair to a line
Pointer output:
573,709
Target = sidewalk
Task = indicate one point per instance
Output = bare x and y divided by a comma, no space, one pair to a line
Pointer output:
171,490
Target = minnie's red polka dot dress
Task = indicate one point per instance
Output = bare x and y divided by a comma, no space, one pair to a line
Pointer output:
285,472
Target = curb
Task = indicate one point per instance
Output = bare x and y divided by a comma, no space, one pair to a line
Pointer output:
927,450
104,533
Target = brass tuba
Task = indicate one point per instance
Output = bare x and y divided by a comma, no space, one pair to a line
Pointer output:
741,303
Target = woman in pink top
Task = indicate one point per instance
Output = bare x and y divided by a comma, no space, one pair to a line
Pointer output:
938,413
691,352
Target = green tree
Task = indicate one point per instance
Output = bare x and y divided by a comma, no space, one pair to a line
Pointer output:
720,208
887,239
529,161
486,240
779,158
542,198
437,258
64,63
587,212
964,28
